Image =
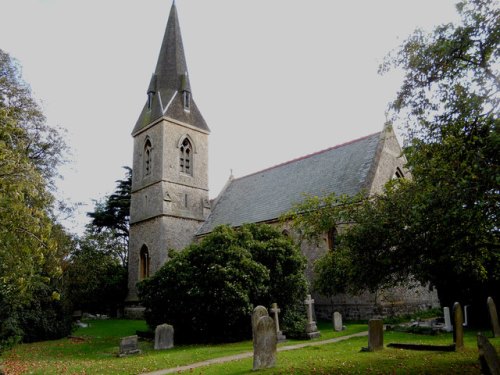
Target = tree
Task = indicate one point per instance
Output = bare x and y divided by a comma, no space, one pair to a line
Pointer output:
112,216
442,226
208,290
31,244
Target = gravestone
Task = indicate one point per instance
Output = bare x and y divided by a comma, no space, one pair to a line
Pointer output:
264,340
337,321
129,345
492,309
447,320
164,337
375,335
488,357
458,326
275,310
311,328
466,315
258,313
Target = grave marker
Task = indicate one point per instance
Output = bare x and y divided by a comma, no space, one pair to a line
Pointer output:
492,309
447,320
337,321
458,327
275,310
375,335
128,346
311,328
164,337
264,339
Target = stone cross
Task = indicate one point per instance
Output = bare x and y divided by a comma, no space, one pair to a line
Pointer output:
447,319
337,321
164,337
264,339
275,310
492,309
129,345
311,328
458,326
375,335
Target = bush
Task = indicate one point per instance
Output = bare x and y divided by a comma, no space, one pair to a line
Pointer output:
208,291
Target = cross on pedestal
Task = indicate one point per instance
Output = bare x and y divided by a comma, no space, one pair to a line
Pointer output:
275,310
309,302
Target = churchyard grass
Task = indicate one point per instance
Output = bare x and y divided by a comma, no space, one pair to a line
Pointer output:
94,350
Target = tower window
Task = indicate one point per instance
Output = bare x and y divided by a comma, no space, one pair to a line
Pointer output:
148,158
144,263
331,238
186,99
399,173
186,157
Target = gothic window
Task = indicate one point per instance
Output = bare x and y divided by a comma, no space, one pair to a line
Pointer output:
186,157
148,158
186,99
399,173
144,263
331,238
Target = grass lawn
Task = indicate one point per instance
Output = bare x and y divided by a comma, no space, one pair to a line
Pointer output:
95,353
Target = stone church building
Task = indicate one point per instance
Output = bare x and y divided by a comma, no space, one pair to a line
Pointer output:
170,206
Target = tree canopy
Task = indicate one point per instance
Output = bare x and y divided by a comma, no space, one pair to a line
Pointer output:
441,227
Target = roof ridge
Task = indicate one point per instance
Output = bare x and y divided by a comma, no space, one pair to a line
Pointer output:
309,155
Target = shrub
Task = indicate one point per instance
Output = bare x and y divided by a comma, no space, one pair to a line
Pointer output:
208,291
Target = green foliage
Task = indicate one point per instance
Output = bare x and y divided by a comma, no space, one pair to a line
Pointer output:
112,216
209,290
95,279
32,246
442,226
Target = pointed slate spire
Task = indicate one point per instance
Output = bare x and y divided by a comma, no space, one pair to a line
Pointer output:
169,92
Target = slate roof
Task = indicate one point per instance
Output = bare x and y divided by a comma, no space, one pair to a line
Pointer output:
168,82
265,195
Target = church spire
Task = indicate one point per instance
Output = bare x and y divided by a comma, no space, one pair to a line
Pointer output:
169,91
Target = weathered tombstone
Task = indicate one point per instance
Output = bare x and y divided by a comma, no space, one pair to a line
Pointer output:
492,309
466,315
129,345
337,321
375,335
264,339
458,328
447,320
488,357
275,310
164,337
311,328
258,312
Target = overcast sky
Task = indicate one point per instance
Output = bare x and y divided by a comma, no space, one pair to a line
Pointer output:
274,79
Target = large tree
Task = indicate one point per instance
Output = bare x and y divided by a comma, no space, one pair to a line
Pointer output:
442,226
31,245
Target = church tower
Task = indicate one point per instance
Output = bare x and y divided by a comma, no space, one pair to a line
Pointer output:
169,198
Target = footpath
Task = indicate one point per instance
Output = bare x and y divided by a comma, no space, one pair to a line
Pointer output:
236,357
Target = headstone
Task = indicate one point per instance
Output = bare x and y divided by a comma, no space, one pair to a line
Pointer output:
337,321
447,320
466,315
164,337
492,309
275,310
258,313
488,357
458,328
375,335
129,345
264,341
311,328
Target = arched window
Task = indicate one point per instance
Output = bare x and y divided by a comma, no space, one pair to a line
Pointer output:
144,263
331,238
148,158
186,157
399,173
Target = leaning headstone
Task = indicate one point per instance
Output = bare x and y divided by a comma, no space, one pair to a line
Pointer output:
488,357
264,342
129,345
375,335
337,321
447,320
275,310
458,326
311,328
164,337
492,309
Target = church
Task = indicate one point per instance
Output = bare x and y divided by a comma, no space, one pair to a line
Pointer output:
170,206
